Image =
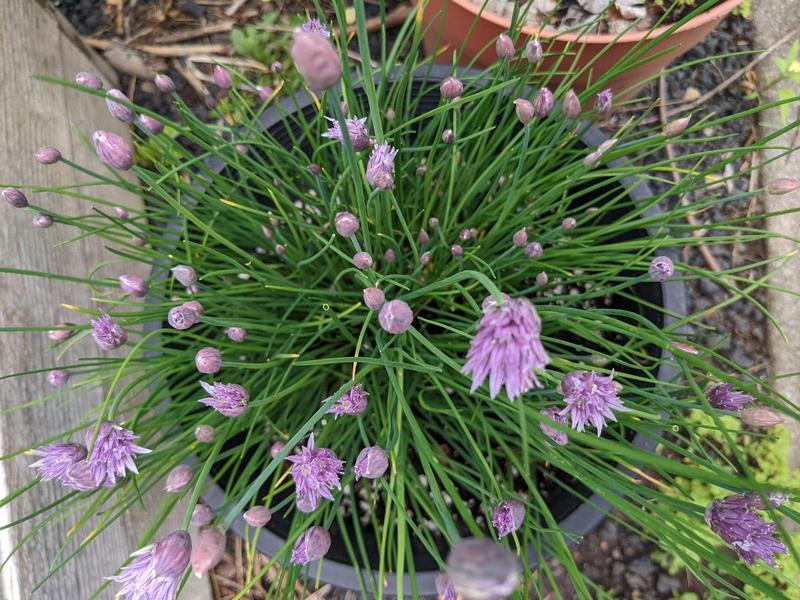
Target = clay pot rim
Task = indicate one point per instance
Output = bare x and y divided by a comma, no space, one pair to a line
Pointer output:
717,12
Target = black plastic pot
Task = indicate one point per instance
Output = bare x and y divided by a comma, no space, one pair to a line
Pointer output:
576,517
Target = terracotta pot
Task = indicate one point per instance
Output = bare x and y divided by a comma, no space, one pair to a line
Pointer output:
577,50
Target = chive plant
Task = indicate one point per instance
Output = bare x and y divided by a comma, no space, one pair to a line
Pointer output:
409,312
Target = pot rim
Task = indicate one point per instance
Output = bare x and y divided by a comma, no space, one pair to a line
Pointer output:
716,13
585,518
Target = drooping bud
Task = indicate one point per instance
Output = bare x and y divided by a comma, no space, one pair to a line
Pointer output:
604,102
783,185
316,60
389,256
14,197
276,449
178,478
569,224
448,136
541,278
58,377
42,221
425,259
520,238
481,569
534,250
258,516
543,105
195,306
113,150
185,275
451,88
133,285
89,80
208,551
371,463
374,298
534,53
117,110
661,268
457,251
48,155
571,105
208,360
504,47
346,223
433,223
152,125
524,109
312,544
395,317
362,260
761,416
59,335
424,238
202,514
222,78
164,83
677,126
204,434
236,334
181,318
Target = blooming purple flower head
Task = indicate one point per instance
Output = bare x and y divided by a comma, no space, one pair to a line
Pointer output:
48,155
395,317
723,397
356,130
591,398
133,285
661,268
312,545
506,347
56,459
482,569
353,402
559,437
79,477
508,516
117,110
89,80
180,317
603,102
164,83
315,26
156,571
113,453
734,520
113,150
316,471
228,399
380,166
107,333
58,377
371,463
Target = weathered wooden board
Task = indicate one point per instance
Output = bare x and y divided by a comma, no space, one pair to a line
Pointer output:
34,114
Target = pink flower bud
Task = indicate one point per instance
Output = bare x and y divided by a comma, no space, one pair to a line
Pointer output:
543,105
604,102
117,110
14,197
448,136
524,110
276,449
433,223
58,378
133,285
185,275
534,53
202,514
164,83
374,298
236,334
533,250
121,212
761,416
362,260
504,47
314,169
171,555
48,155
677,126
204,434
480,568
280,249
59,335
541,278
42,221
276,67
312,544
222,78
661,268
195,306
395,317
424,238
181,318
371,463
457,251
571,105
316,60
113,150
208,360
520,238
451,88
389,256
208,551
89,80
258,516
569,224
178,478
783,185
264,93
425,259
464,235
152,125
346,223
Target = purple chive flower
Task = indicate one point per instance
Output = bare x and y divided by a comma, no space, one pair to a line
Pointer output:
380,166
425,258
543,105
542,278
236,334
457,251
59,335
524,110
181,318
591,398
603,102
178,478
374,298
315,26
156,571
356,130
107,333
506,347
56,459
371,463
276,449
534,53
185,275
508,516
79,477
58,377
113,150
504,46
42,221
89,80
661,268
395,317
445,589
424,238
164,83
723,397
117,110
451,88
204,434
559,437
761,417
735,521
202,514
222,78
346,223
14,197
482,569
208,550
569,224
228,399
258,516
48,155
133,285
208,360
152,125
389,256
520,238
113,453
448,136
276,67
353,402
362,260
571,105
264,93
433,223
316,471
316,60
534,250
312,545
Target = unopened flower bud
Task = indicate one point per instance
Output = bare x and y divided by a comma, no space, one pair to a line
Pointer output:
371,463
202,514
424,238
543,105
138,240
571,105
783,185
677,126
208,551
541,278
761,416
185,275
181,318
389,256
316,60
504,47
433,223
89,80
48,155
58,377
280,249
236,334
448,136
42,221
395,317
222,78
464,235
481,569
276,67
117,110
425,259
374,298
661,268
604,102
133,285
457,251
451,88
421,170
312,545
520,238
178,478
152,125
59,335
569,224
171,556
195,306
362,260
314,169
264,93
534,250
390,114
258,516
204,434
164,83
524,109
346,223
534,53
276,449
208,360
14,197
113,150
121,212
